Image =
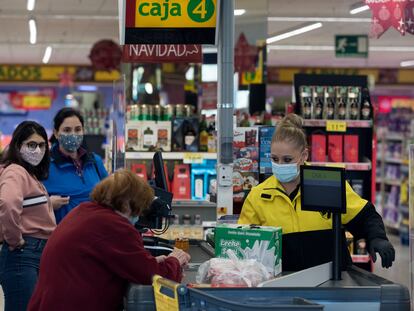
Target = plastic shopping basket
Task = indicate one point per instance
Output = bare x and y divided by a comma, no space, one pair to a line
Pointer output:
171,296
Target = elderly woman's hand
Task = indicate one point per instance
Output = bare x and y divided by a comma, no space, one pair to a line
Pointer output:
181,256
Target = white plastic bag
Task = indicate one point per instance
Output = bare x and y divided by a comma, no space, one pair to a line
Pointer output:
232,272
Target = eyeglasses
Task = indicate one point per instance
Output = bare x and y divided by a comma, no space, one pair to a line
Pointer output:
32,145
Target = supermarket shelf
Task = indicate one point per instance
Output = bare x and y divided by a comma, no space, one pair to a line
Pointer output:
403,208
390,182
395,137
394,160
349,123
360,258
168,155
362,166
193,203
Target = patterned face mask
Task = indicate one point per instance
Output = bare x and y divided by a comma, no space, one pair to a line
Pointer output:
71,142
33,157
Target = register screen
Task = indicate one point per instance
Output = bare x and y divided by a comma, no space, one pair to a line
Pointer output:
323,189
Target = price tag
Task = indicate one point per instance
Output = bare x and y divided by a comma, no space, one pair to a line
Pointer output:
340,165
335,126
193,158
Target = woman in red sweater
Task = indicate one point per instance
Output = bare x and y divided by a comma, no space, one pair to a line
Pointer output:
96,251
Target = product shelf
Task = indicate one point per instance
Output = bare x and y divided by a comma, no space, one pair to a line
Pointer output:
362,166
390,182
349,123
393,160
193,203
132,155
360,258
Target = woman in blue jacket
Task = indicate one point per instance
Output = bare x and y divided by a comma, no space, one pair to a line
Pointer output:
74,171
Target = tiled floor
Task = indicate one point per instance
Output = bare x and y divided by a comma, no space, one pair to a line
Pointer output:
398,273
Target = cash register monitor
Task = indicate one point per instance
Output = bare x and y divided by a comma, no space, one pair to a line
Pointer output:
323,189
159,172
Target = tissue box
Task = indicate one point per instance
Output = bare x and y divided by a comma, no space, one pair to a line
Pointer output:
261,243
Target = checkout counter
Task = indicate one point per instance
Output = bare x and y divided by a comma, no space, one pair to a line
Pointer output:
358,290
322,287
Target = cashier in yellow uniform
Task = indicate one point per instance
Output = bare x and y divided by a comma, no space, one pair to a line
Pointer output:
307,236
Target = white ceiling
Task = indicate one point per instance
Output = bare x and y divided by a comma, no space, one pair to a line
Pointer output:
72,26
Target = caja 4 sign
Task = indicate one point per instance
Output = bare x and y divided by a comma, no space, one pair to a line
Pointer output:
168,21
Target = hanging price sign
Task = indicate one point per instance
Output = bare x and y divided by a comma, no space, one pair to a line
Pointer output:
335,126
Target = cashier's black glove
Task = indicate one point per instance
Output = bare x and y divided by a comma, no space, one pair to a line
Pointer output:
385,250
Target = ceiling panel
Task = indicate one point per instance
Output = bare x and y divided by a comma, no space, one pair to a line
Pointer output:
72,26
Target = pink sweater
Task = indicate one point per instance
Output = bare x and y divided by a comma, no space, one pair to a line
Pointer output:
25,207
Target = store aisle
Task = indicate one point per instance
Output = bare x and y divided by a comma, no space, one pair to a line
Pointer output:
400,271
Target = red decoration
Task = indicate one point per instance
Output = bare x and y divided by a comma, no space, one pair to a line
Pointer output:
105,55
245,55
66,78
386,14
409,16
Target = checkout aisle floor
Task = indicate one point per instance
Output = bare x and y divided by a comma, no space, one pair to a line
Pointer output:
398,273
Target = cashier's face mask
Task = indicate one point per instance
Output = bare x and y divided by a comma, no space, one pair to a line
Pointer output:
285,172
70,142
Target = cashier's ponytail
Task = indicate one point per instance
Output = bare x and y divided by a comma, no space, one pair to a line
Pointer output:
290,130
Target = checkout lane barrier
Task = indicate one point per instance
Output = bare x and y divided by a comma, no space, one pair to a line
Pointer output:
171,296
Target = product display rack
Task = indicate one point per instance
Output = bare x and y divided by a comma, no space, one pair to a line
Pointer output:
392,181
326,134
136,155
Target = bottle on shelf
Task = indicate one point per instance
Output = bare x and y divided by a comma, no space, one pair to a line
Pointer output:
330,109
212,139
189,136
366,108
148,138
203,134
354,110
341,109
307,108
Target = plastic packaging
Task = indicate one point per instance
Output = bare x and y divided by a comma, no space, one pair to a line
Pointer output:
232,272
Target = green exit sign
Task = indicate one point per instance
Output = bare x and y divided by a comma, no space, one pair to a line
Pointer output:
351,45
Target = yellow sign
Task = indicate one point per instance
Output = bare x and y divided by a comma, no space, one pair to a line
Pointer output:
27,73
335,126
193,158
176,13
36,102
165,294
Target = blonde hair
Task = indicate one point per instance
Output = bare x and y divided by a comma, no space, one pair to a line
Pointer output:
122,189
290,130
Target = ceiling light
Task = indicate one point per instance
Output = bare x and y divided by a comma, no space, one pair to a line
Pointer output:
48,53
239,12
31,5
33,31
294,32
332,48
320,19
148,88
407,63
358,8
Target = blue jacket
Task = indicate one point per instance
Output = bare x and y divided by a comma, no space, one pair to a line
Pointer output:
64,181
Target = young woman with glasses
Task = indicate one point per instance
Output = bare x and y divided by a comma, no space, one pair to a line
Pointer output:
26,214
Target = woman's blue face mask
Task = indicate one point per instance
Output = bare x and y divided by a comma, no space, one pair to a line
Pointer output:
70,142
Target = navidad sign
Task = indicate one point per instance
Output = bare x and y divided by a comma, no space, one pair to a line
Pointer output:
168,21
